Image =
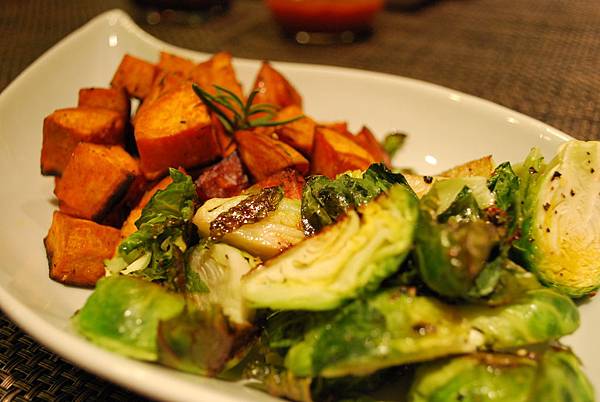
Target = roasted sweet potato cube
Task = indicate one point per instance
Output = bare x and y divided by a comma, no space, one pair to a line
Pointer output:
165,82
223,179
367,140
274,88
105,98
290,179
225,139
264,156
218,70
96,179
135,76
76,249
339,126
65,128
478,167
175,64
129,224
175,131
299,134
335,153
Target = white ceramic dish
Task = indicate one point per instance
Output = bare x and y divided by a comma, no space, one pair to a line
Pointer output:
445,128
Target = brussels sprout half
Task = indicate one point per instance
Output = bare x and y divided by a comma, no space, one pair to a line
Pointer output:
348,258
123,315
547,375
395,327
561,228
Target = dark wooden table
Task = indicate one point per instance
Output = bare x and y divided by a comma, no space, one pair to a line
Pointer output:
541,58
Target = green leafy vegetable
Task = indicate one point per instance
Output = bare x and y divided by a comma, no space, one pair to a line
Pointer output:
155,250
216,323
243,116
324,199
538,316
396,327
220,268
560,239
123,315
547,375
347,259
462,250
389,329
453,249
393,142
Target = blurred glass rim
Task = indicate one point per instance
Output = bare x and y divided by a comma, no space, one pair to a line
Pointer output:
325,16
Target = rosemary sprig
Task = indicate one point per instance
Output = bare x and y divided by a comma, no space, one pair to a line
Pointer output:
241,118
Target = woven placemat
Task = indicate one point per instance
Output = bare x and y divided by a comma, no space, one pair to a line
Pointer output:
541,58
29,372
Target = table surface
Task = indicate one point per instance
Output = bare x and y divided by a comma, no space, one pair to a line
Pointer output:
539,58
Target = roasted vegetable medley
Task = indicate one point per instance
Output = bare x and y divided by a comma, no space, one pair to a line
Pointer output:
238,238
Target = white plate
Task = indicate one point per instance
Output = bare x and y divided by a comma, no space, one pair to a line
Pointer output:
445,127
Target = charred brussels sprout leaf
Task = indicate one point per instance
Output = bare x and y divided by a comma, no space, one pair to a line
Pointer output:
396,327
454,249
547,375
505,185
538,316
155,251
216,320
324,199
250,210
277,230
347,259
560,239
123,315
464,208
197,340
389,329
219,268
462,250
474,378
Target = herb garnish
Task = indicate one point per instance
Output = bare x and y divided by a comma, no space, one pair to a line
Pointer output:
241,118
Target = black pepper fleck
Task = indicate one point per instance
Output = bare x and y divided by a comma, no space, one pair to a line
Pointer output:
546,206
532,170
572,193
592,170
556,175
547,230
428,179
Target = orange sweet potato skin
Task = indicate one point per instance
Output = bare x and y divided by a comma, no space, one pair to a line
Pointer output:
299,134
175,131
264,156
135,76
65,128
76,249
367,140
291,181
274,88
174,64
95,180
335,153
218,70
105,98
